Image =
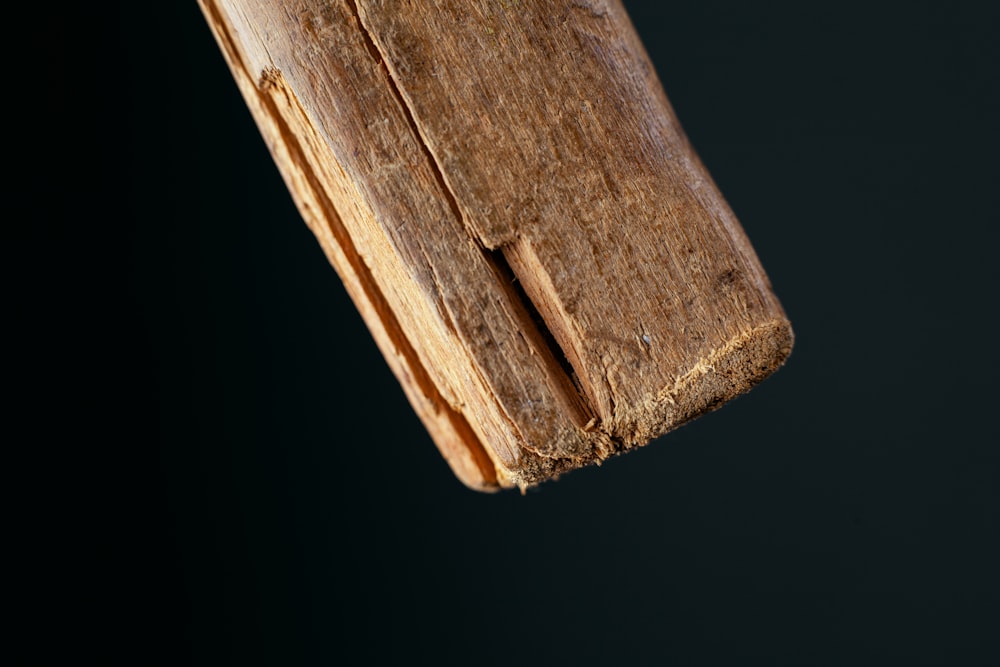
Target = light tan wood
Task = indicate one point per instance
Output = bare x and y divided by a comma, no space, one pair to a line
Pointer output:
510,201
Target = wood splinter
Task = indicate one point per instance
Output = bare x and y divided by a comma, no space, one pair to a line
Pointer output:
511,203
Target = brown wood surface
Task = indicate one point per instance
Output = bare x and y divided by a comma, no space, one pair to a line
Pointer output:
510,201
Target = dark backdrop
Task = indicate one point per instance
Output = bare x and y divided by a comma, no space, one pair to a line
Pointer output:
222,470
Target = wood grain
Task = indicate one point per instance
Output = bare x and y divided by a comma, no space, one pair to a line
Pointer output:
512,204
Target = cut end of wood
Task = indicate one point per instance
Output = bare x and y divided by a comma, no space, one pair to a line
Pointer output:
734,369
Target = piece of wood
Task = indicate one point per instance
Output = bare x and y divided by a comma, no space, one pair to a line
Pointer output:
510,201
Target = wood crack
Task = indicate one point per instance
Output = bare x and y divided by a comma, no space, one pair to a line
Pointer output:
536,328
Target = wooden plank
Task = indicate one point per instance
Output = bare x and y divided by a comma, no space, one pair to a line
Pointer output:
548,268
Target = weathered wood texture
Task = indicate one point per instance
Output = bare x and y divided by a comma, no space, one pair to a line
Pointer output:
510,201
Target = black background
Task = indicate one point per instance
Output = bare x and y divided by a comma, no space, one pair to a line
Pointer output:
219,468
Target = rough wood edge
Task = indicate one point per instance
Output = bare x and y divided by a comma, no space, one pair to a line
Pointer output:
465,454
